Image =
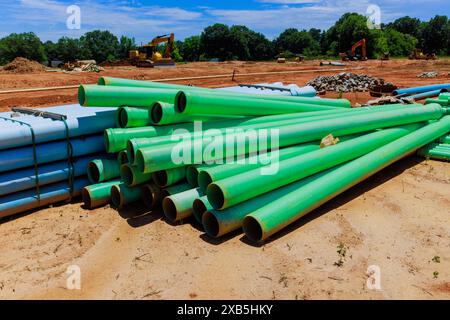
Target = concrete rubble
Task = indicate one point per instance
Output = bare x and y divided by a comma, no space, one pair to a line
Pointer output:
346,82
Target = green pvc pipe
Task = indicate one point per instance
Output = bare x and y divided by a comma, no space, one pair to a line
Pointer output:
192,173
269,219
236,189
178,206
97,195
162,113
152,195
435,151
206,174
199,207
100,170
210,103
149,195
109,81
127,117
442,102
116,138
255,123
132,177
437,155
217,223
121,195
134,144
122,157
169,177
160,157
105,96
122,82
445,139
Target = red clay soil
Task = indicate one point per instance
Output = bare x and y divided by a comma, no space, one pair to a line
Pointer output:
403,73
23,66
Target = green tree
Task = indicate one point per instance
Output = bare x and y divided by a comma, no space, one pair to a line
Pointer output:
26,45
69,49
435,35
125,45
102,45
399,44
51,50
215,42
260,47
296,41
406,25
190,48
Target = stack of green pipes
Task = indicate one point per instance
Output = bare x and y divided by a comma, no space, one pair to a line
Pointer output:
443,99
437,150
249,194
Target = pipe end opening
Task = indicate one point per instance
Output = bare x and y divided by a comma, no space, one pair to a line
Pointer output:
86,197
215,196
210,224
116,197
127,174
192,176
252,229
204,180
156,112
147,196
81,95
93,172
198,208
169,209
180,102
160,178
122,117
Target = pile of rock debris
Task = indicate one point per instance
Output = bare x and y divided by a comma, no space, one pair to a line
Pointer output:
347,82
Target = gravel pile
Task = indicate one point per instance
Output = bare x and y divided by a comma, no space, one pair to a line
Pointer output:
346,82
431,74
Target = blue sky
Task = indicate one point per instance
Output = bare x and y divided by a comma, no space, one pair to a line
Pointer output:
144,19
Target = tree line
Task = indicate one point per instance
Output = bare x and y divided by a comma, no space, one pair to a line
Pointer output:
222,42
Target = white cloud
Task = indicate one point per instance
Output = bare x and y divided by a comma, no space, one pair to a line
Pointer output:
47,18
289,1
142,22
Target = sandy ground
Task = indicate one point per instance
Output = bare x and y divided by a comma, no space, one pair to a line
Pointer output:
397,220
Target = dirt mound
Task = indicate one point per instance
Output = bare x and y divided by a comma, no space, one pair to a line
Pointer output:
23,65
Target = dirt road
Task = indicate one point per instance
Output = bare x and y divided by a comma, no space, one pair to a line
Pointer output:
401,72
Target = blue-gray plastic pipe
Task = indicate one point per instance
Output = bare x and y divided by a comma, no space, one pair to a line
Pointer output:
286,90
27,200
22,157
424,95
421,89
81,121
24,179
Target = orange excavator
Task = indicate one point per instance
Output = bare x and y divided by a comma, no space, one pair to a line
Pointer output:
352,55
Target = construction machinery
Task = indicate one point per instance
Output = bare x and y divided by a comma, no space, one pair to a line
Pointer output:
352,55
418,54
147,56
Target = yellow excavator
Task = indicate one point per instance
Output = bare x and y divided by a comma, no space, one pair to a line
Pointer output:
147,56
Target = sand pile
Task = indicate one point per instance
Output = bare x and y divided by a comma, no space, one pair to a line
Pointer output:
23,65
